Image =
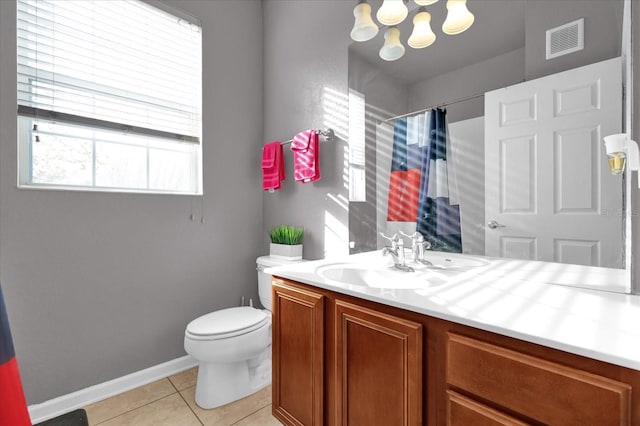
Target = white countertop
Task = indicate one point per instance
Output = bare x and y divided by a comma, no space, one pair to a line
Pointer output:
596,324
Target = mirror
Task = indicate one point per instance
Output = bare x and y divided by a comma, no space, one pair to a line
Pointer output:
492,73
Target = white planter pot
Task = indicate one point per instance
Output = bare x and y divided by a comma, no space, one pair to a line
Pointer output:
285,251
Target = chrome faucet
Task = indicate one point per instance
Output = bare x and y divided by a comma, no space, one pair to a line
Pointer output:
396,250
418,246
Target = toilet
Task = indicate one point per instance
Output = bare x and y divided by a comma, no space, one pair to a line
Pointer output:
233,346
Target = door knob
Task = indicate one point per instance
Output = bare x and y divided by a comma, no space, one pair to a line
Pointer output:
493,225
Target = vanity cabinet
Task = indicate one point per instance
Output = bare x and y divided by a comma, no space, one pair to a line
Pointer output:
341,360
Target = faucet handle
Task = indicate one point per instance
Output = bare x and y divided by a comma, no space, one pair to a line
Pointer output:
405,235
394,239
416,237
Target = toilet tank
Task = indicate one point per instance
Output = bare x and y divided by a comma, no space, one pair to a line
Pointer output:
264,280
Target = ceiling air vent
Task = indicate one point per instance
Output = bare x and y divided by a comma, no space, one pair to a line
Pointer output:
565,39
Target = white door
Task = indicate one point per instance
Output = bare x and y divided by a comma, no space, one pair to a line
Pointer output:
548,188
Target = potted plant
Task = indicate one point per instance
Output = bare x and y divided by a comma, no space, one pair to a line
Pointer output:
286,242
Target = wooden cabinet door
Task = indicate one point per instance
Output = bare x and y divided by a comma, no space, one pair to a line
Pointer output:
298,366
378,368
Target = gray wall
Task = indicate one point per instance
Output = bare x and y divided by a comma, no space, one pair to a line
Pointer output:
493,73
602,29
99,285
305,86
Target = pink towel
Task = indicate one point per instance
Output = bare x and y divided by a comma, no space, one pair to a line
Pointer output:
306,156
272,166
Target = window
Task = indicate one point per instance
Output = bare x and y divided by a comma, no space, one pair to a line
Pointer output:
109,97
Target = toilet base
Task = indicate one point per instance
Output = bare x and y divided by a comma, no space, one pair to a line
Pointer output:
221,383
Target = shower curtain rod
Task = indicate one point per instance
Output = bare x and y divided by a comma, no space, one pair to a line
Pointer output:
444,104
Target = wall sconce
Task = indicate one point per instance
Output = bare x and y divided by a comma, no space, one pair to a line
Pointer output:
621,152
363,28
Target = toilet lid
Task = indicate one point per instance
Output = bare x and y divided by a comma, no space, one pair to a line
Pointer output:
228,322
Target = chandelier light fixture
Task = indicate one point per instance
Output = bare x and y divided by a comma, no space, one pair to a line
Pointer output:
422,35
363,28
392,49
393,12
459,19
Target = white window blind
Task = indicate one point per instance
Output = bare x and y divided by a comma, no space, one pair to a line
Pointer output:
120,67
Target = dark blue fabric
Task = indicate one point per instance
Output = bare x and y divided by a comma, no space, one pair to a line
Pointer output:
399,153
438,221
6,344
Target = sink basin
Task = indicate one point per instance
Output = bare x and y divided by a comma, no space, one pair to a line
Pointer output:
375,275
372,276
443,260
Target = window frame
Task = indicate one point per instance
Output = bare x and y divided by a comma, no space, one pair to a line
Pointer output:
158,140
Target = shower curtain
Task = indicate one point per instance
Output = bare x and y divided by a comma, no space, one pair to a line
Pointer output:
438,218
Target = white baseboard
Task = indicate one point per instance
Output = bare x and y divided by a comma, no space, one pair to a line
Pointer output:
65,403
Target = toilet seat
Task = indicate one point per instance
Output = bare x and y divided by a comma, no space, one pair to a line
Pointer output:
227,323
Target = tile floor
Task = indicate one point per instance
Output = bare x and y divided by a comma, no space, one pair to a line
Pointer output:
170,402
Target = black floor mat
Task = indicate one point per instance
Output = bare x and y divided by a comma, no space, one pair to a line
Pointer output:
74,418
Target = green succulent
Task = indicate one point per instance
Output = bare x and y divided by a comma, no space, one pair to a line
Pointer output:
286,234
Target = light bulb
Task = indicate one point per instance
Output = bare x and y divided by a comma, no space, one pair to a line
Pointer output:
422,35
617,161
459,19
363,28
392,49
425,2
392,12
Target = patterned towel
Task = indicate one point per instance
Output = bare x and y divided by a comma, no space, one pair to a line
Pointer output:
306,156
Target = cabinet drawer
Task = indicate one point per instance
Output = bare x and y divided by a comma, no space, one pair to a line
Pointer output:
463,411
538,389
